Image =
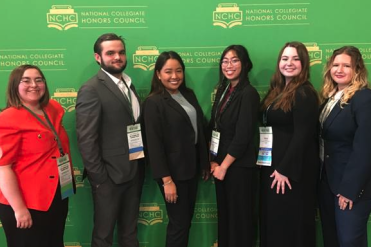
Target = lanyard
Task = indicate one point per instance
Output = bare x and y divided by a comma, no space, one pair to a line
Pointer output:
218,105
265,116
128,98
48,125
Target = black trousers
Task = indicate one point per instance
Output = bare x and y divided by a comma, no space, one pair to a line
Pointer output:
47,229
180,213
235,197
117,204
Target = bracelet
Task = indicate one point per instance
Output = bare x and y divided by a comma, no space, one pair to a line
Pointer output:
168,182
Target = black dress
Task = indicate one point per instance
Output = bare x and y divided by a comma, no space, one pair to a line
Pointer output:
288,220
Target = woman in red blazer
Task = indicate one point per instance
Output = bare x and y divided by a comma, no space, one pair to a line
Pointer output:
33,148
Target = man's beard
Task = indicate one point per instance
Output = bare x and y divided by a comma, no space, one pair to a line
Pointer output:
112,70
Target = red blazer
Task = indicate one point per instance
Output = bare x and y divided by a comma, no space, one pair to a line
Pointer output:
32,150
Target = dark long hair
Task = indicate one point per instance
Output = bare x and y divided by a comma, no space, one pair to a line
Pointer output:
243,79
156,85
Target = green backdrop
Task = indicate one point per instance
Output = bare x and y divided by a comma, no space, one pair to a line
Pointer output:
58,36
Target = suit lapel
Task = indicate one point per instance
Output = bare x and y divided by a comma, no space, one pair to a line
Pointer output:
235,95
106,81
176,106
331,117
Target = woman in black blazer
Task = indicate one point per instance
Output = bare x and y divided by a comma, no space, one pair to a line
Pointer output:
233,161
345,187
176,145
288,185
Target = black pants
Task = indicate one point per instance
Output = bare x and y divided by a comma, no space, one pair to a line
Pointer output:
235,197
47,229
180,213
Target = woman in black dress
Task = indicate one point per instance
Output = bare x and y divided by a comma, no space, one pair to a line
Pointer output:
290,108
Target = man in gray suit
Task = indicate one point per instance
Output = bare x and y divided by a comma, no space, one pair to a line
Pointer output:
107,115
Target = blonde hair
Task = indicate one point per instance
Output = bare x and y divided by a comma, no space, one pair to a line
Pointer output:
359,77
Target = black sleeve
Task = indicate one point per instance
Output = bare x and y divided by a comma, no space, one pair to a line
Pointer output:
305,115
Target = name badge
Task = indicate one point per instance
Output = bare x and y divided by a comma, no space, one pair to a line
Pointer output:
214,144
65,176
265,146
135,142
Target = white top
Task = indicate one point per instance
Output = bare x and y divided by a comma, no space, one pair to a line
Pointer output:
120,84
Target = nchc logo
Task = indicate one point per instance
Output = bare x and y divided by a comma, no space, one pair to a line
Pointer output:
315,54
62,17
66,97
150,214
227,15
78,177
145,57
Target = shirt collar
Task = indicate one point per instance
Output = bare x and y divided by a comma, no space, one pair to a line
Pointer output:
124,76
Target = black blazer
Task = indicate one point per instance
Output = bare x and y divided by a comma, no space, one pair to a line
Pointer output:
170,137
102,117
237,126
347,136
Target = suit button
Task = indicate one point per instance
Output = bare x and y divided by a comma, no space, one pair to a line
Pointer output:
327,156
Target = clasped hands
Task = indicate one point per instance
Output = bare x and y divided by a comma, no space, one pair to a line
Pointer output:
217,170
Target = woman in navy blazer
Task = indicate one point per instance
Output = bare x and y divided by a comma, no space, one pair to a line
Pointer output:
345,186
176,145
234,117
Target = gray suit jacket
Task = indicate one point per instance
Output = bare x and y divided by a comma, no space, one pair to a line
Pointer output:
102,116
